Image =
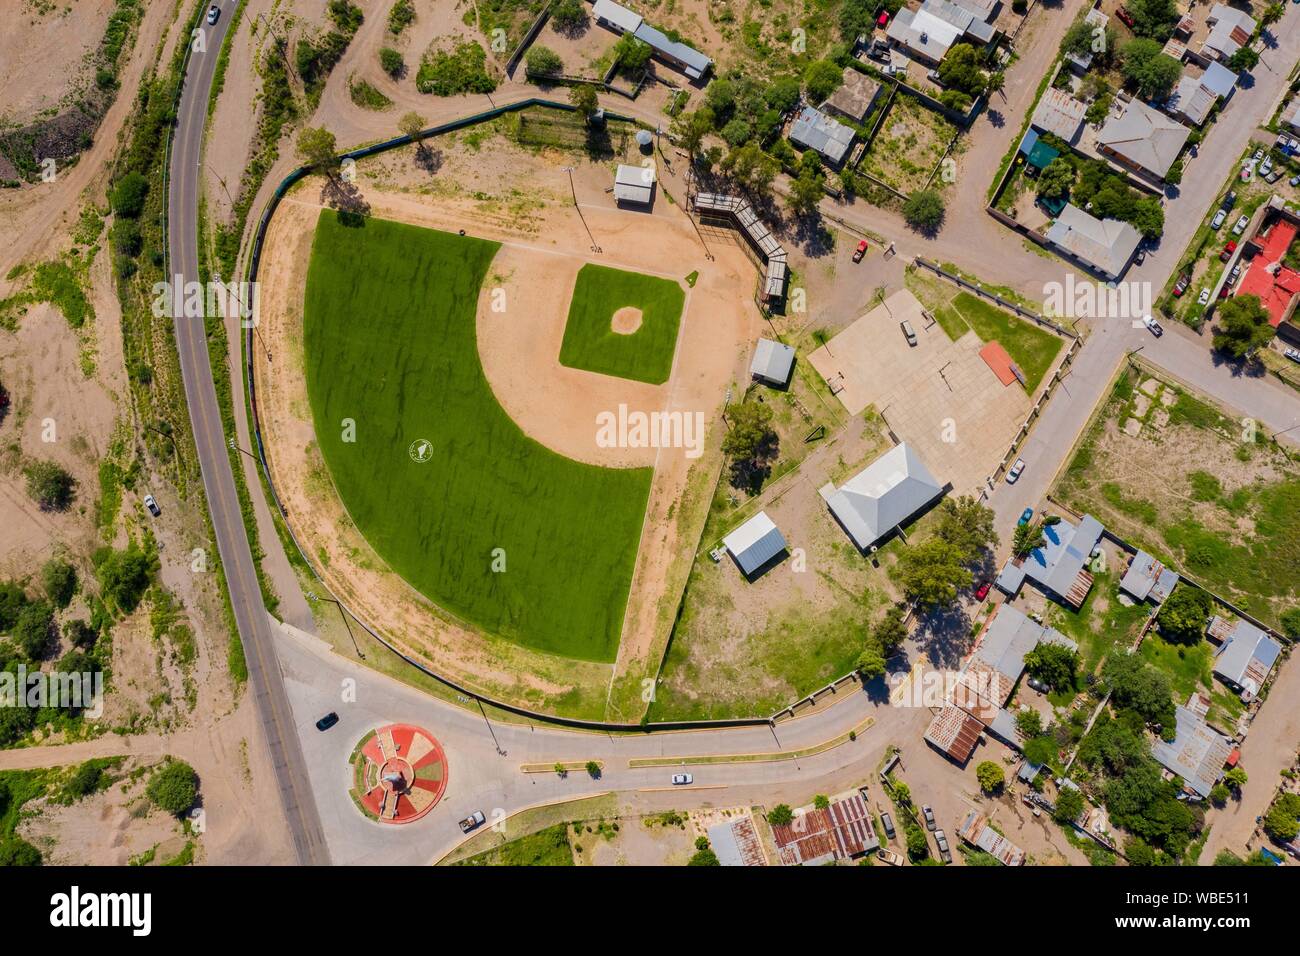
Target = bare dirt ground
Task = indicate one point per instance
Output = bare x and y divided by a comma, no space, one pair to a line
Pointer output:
41,49
519,199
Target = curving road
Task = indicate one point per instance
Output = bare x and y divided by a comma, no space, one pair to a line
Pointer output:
266,683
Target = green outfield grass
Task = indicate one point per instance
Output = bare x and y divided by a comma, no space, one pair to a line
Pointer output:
590,342
389,335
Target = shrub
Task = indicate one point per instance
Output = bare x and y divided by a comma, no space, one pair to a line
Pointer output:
461,70
991,777
924,210
400,17
391,61
543,61
59,579
33,629
568,14
1069,804
780,815
49,485
129,194
174,788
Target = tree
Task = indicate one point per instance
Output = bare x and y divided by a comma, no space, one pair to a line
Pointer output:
821,801
79,633
807,189
632,54
593,769
412,124
1184,614
932,572
1139,687
689,129
1291,623
1080,39
391,61
12,601
967,525
59,579
750,435
1027,538
15,851
1243,327
871,662
991,777
124,576
1272,13
780,815
1219,794
33,629
705,857
1282,822
127,198
782,94
737,131
174,788
821,79
1069,804
1145,65
543,61
568,15
316,148
1053,664
1244,59
49,485
1153,18
584,100
890,631
751,169
1040,750
903,794
1030,723
996,82
918,848
924,210
960,70
1056,181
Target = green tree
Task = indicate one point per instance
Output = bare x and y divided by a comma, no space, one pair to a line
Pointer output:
705,857
15,851
890,631
821,79
1029,722
317,149
918,848
174,788
1153,18
1219,794
1290,622
1056,181
1145,65
34,628
49,485
584,100
1027,538
807,189
967,525
903,794
960,70
924,210
568,15
750,435
593,769
780,815
391,62
1069,804
821,801
412,124
1183,616
991,777
1040,750
1140,687
1282,822
124,576
1272,13
12,601
1244,59
932,573
632,54
128,195
1243,327
782,94
871,662
751,169
543,61
59,579
689,129
1053,664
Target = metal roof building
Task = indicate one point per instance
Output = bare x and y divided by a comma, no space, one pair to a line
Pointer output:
1009,636
1230,30
622,20
814,130
1107,245
1246,657
756,232
954,733
1061,114
840,832
1148,578
976,831
773,362
634,184
1143,138
755,543
883,496
932,30
1197,754
736,842
1058,567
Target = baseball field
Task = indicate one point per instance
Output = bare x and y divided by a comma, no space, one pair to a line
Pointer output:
596,338
486,522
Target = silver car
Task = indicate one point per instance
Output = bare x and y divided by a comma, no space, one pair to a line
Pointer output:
945,854
682,779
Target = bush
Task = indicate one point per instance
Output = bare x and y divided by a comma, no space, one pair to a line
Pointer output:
59,579
543,61
1069,804
918,848
33,629
991,777
400,17
568,14
462,70
126,237
12,602
124,576
821,79
1291,623
391,61
924,210
174,788
49,485
780,815
128,195
1183,616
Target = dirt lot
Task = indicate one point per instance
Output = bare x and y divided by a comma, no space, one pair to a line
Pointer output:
908,146
522,199
41,51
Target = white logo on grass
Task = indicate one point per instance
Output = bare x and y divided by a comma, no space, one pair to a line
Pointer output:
421,450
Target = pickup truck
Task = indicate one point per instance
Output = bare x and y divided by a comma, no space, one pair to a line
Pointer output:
860,251
472,822
890,857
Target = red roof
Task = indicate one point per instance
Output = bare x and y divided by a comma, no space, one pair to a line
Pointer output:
1275,291
996,357
1234,756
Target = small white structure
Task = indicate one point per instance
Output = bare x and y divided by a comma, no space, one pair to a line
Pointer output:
754,543
883,496
634,185
773,363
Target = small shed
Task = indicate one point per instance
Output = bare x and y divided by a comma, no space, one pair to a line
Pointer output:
755,543
773,362
634,185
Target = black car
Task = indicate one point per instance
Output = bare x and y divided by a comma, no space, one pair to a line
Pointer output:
1229,201
328,721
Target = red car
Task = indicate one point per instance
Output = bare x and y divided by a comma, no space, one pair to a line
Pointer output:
1181,286
982,591
1228,250
1125,16
861,251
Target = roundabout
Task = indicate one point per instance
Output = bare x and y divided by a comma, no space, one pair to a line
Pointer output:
399,773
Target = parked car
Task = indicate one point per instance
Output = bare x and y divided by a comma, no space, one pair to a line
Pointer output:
982,591
889,857
1229,200
1235,274
328,721
213,13
860,251
1259,154
928,813
1181,285
908,332
1038,685
887,822
1266,166
152,506
1292,354
1153,326
1294,181
1015,471
1125,16
1241,225
1026,516
1228,250
682,779
1223,293
1219,217
472,822
1204,297
945,854
1274,176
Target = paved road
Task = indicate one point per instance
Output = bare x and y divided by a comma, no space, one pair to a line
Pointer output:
265,681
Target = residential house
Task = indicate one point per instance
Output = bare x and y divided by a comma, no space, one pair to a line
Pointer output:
813,129
930,31
1060,114
855,96
979,833
1148,579
1267,274
755,543
883,496
1143,139
673,52
841,831
1197,754
1230,29
1245,657
1106,246
1195,97
1059,566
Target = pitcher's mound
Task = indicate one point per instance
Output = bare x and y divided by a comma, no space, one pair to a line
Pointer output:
626,320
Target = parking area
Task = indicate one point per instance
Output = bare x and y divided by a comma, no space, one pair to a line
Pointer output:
938,395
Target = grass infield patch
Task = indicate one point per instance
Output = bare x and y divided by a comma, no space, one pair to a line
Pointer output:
590,342
489,524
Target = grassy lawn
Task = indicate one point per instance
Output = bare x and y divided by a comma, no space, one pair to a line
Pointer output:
549,847
590,341
1102,624
1188,668
1032,348
492,526
1189,490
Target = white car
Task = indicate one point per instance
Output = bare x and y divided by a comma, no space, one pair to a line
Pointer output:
682,779
1235,274
1266,166
1015,471
1259,154
1241,225
1153,326
1219,217
152,506
1203,298
213,13
1292,354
